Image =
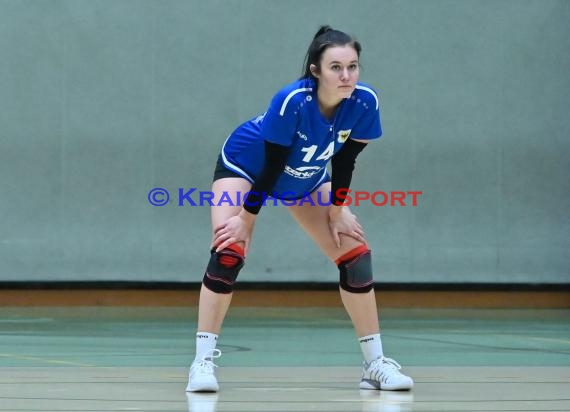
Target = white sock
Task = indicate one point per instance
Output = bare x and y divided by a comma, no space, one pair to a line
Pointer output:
205,342
371,346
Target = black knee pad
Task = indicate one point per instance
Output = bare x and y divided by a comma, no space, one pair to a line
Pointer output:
356,273
222,271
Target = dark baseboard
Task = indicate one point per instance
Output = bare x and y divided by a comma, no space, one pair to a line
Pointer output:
277,286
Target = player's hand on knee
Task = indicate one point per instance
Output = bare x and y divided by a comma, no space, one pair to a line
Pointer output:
236,229
346,223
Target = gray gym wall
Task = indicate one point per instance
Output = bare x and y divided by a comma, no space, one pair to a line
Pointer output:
101,101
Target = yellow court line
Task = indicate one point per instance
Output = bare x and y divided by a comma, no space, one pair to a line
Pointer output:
34,358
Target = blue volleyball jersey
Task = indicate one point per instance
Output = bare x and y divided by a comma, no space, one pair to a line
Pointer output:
294,119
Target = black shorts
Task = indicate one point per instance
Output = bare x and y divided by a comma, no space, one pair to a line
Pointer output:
222,171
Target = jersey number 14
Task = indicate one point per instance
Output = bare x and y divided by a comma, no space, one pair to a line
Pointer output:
310,152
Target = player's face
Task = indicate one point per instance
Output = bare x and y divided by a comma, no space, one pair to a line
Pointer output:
339,71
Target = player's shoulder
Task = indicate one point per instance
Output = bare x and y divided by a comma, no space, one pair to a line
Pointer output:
367,94
292,95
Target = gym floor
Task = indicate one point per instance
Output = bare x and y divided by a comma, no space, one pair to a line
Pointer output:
82,358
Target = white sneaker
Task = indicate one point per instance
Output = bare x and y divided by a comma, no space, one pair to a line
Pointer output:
384,373
201,377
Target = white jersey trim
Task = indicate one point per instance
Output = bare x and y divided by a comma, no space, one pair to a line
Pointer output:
239,171
368,89
289,96
233,167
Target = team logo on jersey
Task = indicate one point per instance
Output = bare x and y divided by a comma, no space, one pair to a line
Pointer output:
303,172
342,135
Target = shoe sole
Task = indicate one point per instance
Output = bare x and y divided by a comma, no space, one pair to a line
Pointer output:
211,386
373,385
202,389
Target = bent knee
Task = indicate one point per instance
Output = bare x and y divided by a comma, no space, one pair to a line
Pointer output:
223,269
355,270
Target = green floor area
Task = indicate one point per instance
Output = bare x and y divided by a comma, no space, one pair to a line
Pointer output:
104,337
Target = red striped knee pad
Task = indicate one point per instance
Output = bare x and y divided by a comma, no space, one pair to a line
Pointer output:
223,269
355,269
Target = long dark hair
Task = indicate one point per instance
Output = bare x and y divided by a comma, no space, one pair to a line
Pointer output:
324,38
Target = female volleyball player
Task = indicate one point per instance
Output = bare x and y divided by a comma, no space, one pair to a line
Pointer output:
327,115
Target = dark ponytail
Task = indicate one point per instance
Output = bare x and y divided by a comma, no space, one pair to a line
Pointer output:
322,30
324,38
